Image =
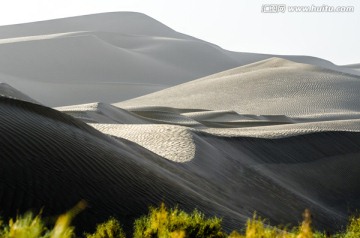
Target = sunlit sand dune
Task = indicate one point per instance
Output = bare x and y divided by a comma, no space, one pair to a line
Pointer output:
270,87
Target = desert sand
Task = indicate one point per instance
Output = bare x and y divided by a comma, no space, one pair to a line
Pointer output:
122,55
275,135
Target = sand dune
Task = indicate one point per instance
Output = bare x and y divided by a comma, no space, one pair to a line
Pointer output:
276,135
292,143
119,55
274,98
50,160
59,160
213,157
120,49
222,170
170,133
270,87
274,131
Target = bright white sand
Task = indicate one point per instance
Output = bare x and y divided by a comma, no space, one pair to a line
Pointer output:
174,143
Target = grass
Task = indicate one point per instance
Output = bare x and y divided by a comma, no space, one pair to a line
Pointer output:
165,223
109,229
30,226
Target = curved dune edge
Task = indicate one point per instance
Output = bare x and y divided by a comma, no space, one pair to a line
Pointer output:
282,131
174,143
101,113
177,143
7,91
169,132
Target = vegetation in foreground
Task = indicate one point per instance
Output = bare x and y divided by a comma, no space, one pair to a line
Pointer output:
164,223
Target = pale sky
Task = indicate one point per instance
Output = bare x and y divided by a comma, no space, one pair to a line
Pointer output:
236,25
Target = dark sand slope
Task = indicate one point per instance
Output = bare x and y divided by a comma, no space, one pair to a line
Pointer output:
279,178
110,57
50,160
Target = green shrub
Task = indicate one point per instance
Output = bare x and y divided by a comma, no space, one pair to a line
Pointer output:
30,226
26,226
163,222
109,229
353,229
257,228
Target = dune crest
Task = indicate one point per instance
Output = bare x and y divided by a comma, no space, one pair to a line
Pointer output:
270,87
10,92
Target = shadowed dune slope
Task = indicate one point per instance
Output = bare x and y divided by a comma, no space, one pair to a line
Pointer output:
252,174
50,160
279,177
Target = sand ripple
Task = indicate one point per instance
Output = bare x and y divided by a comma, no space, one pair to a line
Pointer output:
174,143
